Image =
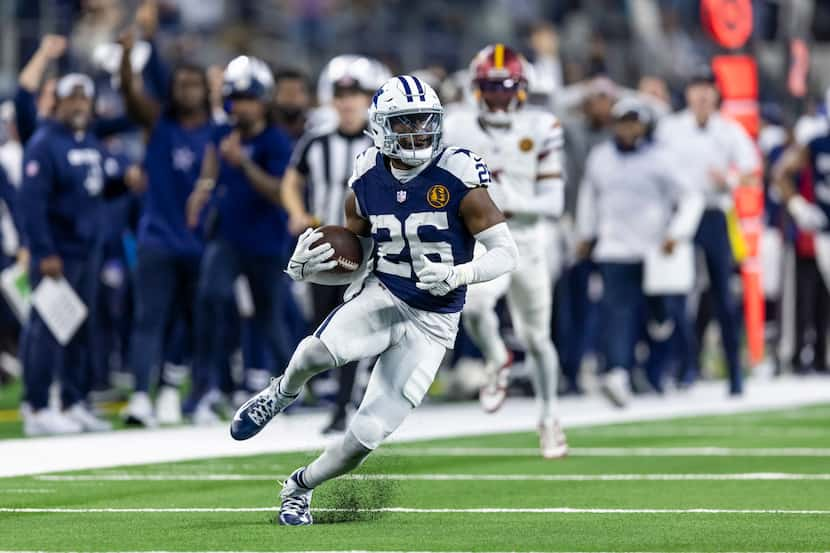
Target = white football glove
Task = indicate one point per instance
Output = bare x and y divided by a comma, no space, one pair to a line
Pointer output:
306,261
436,278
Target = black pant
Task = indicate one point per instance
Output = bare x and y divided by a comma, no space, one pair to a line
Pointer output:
812,312
325,299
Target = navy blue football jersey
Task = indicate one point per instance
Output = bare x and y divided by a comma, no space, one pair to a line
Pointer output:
820,162
417,218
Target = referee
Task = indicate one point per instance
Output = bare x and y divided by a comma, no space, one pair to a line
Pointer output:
314,190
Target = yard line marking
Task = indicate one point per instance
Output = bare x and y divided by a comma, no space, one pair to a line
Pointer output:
747,476
27,490
156,477
478,510
708,451
702,431
368,551
372,551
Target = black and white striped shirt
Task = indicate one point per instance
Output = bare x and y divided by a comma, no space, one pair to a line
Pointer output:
326,161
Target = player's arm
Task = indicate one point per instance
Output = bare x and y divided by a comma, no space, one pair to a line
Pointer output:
292,200
293,184
139,106
807,215
204,186
33,199
587,217
688,201
263,182
486,223
311,264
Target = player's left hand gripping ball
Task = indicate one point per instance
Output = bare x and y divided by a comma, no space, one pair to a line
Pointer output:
306,261
436,278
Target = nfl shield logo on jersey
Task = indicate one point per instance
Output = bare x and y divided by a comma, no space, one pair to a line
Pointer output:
401,196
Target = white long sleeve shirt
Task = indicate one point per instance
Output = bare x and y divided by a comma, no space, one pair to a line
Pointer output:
720,145
630,202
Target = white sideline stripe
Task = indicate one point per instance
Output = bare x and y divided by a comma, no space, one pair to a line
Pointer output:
608,452
748,476
26,490
479,510
432,421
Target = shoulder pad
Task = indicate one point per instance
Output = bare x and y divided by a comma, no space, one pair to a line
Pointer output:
466,166
363,163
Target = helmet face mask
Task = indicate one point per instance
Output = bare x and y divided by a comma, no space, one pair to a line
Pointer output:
499,82
406,119
500,95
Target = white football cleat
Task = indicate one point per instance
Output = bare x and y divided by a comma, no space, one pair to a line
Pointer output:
552,440
258,411
494,392
169,406
295,509
615,386
88,421
139,411
49,422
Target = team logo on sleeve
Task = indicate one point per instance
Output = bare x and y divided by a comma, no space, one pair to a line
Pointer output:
438,196
526,144
32,168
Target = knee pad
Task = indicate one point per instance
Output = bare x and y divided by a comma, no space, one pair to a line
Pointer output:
367,430
354,450
312,353
536,339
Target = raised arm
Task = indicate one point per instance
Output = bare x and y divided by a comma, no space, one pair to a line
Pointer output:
25,100
139,106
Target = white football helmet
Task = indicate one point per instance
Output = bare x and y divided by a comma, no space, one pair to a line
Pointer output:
249,77
368,73
405,120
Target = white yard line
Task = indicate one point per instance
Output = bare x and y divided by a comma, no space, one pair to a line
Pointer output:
374,551
299,432
706,431
26,490
749,476
415,510
703,451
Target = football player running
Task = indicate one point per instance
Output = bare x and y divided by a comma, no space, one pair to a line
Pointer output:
523,148
418,209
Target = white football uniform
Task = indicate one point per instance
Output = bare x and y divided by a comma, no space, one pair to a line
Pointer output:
388,316
525,161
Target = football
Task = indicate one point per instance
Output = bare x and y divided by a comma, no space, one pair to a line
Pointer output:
347,249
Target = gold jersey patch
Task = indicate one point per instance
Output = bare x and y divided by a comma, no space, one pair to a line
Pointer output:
525,144
438,196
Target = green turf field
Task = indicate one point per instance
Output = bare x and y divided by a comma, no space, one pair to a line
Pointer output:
766,476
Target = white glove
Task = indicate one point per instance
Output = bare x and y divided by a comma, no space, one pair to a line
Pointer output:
306,261
438,279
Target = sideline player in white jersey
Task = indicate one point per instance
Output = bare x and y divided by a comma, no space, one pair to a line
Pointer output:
523,148
418,210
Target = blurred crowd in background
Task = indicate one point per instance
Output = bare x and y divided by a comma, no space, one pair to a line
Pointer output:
585,55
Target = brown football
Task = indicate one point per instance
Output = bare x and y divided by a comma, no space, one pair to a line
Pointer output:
347,249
